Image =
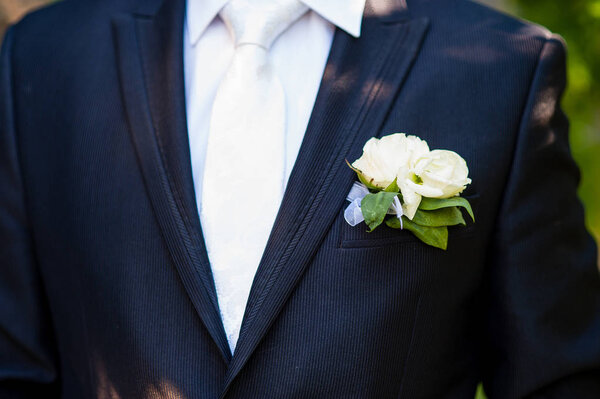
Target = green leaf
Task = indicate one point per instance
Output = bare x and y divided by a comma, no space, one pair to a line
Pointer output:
392,188
374,207
431,204
363,179
439,217
434,236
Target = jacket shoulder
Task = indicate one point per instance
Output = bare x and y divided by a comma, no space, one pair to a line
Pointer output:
470,22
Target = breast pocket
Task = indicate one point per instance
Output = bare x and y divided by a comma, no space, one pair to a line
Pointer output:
359,236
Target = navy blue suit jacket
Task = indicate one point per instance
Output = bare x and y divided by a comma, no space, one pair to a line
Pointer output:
105,286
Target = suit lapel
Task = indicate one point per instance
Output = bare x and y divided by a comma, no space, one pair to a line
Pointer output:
361,80
150,56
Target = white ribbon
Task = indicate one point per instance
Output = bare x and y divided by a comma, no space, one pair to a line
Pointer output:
353,213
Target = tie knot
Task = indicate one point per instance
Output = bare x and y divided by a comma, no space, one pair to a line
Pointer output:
260,22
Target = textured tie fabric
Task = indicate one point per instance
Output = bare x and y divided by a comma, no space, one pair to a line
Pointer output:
244,169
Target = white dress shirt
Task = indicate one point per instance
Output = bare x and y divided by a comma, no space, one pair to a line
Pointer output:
299,56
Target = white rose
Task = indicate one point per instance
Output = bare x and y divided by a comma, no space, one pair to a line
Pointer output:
439,174
384,159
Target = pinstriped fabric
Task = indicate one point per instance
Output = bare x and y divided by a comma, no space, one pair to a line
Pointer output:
104,288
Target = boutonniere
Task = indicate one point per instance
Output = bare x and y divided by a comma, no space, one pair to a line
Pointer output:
406,186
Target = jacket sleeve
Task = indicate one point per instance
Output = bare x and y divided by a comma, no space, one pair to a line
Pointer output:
543,285
27,354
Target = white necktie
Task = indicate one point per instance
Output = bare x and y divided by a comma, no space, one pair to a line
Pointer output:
244,170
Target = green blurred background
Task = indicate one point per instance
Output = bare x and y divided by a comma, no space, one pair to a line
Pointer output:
578,21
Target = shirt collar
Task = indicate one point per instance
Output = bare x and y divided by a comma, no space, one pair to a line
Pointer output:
345,14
